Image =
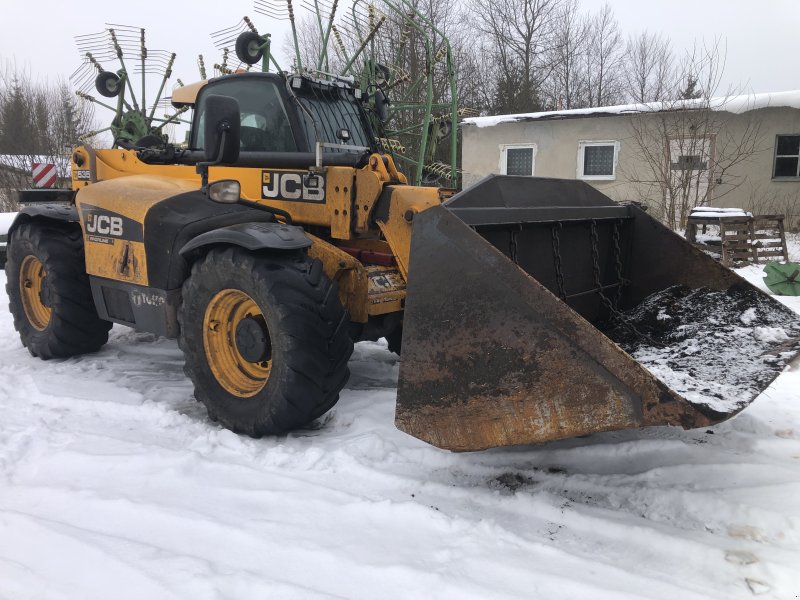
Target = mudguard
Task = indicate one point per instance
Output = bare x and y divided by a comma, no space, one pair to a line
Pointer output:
252,236
54,211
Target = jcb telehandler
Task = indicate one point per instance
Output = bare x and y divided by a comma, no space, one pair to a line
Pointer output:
282,235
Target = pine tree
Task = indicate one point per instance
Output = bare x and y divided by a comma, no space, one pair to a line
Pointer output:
15,120
691,91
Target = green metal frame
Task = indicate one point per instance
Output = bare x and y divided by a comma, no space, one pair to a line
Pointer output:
132,122
414,19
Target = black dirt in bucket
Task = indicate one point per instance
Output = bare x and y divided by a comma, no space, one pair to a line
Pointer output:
716,349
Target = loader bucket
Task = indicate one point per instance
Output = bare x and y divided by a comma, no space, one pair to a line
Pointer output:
538,309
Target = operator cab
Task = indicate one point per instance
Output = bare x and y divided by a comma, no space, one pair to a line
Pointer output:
289,114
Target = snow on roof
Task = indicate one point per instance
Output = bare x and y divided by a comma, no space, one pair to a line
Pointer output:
22,163
732,104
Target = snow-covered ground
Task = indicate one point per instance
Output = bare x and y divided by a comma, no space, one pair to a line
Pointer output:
113,484
6,218
5,222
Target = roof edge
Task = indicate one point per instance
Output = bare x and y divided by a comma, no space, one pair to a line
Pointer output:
733,104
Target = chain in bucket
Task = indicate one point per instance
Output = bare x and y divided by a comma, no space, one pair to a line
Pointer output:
613,307
555,230
615,237
513,250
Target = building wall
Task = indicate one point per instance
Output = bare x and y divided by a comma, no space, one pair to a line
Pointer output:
749,185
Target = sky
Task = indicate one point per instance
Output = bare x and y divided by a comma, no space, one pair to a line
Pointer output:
761,37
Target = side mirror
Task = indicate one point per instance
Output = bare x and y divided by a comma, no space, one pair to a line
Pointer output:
221,129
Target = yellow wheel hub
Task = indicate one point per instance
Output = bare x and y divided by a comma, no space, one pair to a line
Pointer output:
229,313
31,281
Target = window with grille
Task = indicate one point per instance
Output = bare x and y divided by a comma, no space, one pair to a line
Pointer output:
597,160
787,156
518,159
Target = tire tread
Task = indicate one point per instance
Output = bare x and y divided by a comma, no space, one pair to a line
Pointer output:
315,344
74,327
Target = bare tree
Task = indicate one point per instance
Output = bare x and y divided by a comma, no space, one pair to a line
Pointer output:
689,152
567,85
604,59
309,42
39,122
649,68
775,202
520,35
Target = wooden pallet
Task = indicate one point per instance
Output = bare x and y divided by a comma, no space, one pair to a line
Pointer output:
756,239
769,238
735,237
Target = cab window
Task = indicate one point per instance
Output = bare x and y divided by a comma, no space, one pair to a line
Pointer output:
264,123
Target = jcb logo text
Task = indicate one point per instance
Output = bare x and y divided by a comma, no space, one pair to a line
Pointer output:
104,225
299,187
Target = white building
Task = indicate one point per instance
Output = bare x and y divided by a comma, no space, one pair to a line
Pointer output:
741,151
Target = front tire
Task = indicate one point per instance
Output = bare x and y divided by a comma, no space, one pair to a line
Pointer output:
49,293
265,340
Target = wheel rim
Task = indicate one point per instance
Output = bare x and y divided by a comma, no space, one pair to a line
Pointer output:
32,281
253,48
223,317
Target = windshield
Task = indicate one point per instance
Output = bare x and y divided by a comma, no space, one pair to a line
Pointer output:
332,109
264,124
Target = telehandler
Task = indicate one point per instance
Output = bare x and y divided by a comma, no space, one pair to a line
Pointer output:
282,235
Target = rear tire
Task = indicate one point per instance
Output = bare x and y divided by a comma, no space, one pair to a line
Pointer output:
49,293
294,370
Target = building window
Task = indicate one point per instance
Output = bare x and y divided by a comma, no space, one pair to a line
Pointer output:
691,162
787,156
517,159
597,160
